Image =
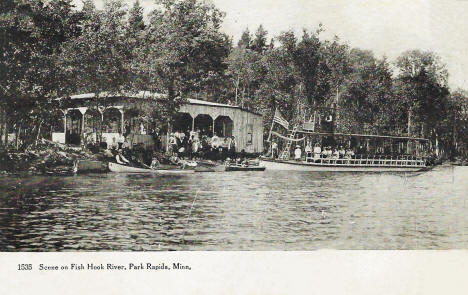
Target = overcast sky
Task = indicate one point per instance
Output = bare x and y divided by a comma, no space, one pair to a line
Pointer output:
387,27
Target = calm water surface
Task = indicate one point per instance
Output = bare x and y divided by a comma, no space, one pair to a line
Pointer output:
271,210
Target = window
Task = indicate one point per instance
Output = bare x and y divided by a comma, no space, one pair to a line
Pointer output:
249,134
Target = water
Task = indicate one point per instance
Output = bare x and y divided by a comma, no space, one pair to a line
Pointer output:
271,210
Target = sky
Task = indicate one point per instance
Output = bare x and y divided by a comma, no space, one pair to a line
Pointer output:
387,27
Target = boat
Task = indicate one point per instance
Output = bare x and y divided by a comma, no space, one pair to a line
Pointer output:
348,165
339,160
119,168
234,167
209,166
90,166
217,168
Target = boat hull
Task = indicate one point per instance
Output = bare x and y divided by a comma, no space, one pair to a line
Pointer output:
301,166
117,168
248,168
90,166
210,166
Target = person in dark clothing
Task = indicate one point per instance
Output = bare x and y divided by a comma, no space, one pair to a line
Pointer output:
232,147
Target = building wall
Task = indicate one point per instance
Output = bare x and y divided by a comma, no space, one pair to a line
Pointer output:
244,123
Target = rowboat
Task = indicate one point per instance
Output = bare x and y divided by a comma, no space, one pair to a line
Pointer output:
118,168
209,166
89,166
245,168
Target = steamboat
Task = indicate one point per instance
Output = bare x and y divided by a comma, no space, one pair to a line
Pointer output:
331,151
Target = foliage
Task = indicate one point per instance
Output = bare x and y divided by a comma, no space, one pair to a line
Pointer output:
183,52
50,50
32,33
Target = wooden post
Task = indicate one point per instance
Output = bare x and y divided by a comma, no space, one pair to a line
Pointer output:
271,128
65,122
336,113
313,126
213,127
101,126
167,136
122,122
6,130
408,143
17,137
1,126
82,123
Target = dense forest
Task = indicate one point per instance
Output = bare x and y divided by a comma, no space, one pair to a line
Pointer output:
50,50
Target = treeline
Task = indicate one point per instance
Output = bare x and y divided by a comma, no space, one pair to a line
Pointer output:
50,49
298,76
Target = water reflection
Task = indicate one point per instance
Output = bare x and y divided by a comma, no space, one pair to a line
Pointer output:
235,211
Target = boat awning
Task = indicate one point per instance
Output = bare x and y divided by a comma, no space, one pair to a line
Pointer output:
361,135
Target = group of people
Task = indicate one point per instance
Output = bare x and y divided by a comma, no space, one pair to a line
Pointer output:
194,145
328,152
183,148
316,152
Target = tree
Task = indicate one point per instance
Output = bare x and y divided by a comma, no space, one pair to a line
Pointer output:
259,44
367,94
422,89
32,33
184,50
244,68
135,38
245,40
97,60
136,23
279,80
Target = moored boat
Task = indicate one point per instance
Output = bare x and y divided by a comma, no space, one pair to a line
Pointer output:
114,167
90,166
209,166
348,165
245,168
331,151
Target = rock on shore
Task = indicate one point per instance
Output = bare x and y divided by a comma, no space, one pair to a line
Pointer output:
44,158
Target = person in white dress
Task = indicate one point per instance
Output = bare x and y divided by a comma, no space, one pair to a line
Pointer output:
297,153
317,152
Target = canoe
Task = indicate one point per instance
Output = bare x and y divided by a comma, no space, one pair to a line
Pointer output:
245,168
118,168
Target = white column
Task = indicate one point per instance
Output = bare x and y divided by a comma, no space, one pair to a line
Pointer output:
214,117
122,122
64,122
82,123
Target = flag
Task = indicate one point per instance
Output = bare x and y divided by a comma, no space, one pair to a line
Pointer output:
280,120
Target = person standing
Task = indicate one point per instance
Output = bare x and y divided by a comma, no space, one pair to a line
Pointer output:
298,153
308,150
274,150
232,147
172,143
317,152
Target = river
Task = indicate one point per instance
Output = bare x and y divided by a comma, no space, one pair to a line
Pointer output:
271,210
